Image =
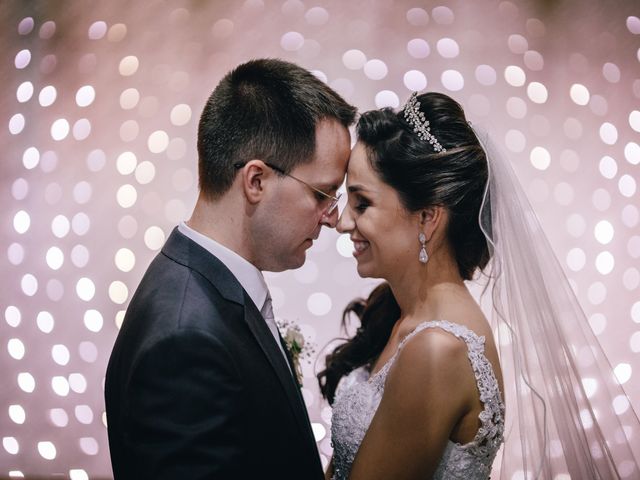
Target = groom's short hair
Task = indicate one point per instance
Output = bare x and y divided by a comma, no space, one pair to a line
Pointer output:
266,109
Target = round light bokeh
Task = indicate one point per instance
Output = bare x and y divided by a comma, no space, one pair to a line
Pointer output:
101,163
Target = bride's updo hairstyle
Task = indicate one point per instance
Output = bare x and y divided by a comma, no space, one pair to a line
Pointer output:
454,178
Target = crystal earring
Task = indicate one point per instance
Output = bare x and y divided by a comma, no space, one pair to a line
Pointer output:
423,257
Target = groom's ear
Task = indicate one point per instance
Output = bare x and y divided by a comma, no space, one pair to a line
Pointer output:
253,174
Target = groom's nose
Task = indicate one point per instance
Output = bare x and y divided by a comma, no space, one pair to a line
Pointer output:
330,220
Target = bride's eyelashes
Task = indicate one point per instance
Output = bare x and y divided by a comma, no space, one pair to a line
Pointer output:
361,203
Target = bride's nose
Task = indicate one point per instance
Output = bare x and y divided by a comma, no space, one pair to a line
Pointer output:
345,222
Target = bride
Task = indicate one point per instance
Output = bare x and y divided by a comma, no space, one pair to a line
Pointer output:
418,392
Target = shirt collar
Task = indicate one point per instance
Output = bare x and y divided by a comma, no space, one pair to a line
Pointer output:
251,279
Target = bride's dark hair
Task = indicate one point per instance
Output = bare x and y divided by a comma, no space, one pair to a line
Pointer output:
454,179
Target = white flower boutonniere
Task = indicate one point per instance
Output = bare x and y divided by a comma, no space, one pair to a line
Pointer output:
299,348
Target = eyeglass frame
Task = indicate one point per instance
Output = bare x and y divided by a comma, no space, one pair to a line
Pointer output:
334,199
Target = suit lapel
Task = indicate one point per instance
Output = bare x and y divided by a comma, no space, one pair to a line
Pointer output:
289,383
187,252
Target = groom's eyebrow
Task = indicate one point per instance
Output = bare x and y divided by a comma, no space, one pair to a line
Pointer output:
327,187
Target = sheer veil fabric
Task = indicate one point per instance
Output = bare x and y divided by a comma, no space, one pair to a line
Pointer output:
560,387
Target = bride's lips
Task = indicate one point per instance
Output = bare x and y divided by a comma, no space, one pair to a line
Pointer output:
360,246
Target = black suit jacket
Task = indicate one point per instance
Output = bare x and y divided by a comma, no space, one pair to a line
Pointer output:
196,386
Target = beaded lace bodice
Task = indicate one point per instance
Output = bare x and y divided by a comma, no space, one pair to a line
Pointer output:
358,396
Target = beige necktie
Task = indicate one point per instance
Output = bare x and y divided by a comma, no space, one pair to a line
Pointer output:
267,313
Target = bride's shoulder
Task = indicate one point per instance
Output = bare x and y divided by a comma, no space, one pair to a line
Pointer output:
425,368
432,351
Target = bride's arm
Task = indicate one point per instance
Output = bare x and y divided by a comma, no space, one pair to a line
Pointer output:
329,473
426,394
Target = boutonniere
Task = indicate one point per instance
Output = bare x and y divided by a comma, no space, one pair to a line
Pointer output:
299,348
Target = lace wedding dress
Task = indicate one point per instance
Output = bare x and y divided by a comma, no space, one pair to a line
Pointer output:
358,396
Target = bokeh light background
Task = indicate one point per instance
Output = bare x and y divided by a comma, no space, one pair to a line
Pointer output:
98,123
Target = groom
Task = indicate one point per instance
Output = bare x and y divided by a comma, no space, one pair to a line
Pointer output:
199,384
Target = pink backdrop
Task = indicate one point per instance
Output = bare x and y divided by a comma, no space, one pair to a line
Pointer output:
98,125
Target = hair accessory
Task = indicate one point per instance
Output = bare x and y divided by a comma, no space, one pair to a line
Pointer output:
420,124
423,257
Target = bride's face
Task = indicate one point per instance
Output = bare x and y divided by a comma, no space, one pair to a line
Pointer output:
384,234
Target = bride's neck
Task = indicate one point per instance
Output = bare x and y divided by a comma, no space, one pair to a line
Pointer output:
422,292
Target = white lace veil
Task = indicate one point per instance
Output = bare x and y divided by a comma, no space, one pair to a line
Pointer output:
559,385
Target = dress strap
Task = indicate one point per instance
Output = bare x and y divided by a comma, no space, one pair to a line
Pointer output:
474,341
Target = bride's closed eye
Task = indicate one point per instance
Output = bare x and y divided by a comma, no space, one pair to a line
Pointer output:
360,203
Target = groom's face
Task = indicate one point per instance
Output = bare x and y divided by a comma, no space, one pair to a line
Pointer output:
293,215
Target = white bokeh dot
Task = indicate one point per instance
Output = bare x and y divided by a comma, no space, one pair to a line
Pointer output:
537,92
576,259
515,76
180,114
17,414
608,133
11,445
89,445
292,41
77,382
623,372
417,17
47,96
579,94
605,262
387,98
47,450
608,167
85,96
344,246
60,385
415,80
16,348
319,303
448,48
29,284
85,289
118,292
45,322
597,293
54,258
158,141
154,238
60,354
627,185
632,153
128,65
452,80
598,323
354,59
375,69
634,120
93,320
540,158
60,129
486,75
26,382
418,48
21,222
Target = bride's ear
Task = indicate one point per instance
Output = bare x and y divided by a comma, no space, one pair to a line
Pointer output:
431,220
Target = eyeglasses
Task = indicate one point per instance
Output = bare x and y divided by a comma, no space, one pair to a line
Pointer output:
322,197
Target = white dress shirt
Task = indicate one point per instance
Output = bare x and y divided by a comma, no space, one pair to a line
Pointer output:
245,272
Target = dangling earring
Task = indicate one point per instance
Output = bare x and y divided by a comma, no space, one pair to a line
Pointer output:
423,257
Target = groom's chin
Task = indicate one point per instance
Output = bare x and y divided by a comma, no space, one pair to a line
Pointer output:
290,263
